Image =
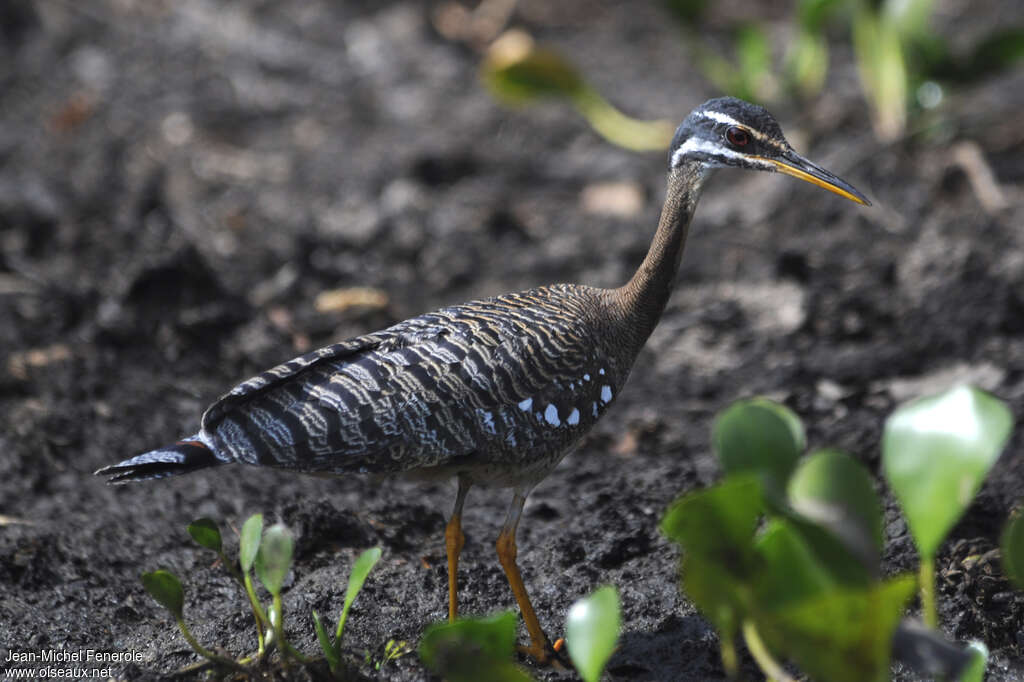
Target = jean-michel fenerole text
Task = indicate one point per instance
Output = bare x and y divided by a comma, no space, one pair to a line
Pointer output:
70,656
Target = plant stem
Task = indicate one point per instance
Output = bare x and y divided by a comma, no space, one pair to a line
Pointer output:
729,659
768,665
926,576
204,652
618,128
279,624
257,613
296,654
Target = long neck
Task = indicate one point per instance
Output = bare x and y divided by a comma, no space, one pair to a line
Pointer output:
642,300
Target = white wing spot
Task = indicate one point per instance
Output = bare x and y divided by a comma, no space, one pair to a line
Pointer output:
606,393
573,418
526,405
586,377
551,415
601,371
595,408
489,421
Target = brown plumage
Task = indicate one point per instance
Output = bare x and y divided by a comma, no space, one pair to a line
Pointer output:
492,392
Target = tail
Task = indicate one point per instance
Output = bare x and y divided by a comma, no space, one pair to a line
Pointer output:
183,457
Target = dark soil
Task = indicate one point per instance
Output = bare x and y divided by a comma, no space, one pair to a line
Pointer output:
180,180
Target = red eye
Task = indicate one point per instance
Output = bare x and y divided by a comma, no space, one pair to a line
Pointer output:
737,136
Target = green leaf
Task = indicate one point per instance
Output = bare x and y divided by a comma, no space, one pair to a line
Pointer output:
754,57
330,653
205,532
813,14
473,649
274,557
715,528
591,631
790,572
249,542
717,520
516,70
1011,543
975,669
760,436
165,588
997,51
807,62
841,635
360,569
883,72
835,491
936,452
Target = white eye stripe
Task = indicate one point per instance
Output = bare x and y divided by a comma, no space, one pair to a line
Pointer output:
696,144
729,120
720,117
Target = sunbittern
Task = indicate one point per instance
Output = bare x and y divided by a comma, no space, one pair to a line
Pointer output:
493,392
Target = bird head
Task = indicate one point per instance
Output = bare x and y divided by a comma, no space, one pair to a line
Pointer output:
728,132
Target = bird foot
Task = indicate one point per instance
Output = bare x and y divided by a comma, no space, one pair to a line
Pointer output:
544,653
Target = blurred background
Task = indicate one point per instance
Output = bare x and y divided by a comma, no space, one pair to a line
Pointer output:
194,190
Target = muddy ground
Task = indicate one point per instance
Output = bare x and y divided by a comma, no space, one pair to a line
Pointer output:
179,181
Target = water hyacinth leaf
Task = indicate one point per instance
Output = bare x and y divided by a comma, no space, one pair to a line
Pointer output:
330,653
789,570
833,554
936,451
1011,543
206,534
274,557
473,649
761,436
841,635
974,671
715,528
591,631
360,569
249,541
835,491
516,70
165,588
716,521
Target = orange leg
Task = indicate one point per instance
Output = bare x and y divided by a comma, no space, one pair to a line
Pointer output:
540,648
453,542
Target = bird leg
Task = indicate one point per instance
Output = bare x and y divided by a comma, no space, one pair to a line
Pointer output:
540,648
453,542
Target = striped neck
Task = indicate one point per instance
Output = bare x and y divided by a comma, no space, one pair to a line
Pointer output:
644,297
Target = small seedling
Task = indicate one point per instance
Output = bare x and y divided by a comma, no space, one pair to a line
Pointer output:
206,534
272,562
393,650
166,589
592,630
936,452
360,570
269,554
